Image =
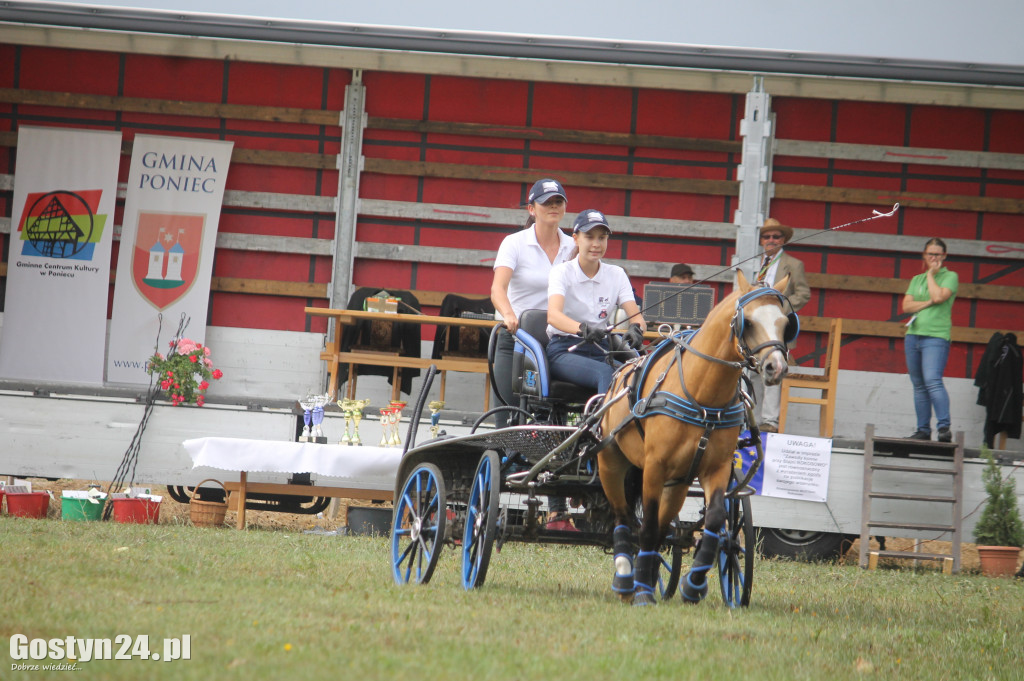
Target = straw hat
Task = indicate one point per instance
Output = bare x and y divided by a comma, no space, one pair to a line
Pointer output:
771,224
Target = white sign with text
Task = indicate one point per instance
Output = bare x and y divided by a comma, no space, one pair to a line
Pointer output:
797,467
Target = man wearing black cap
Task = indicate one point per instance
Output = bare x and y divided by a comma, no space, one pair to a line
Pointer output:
681,274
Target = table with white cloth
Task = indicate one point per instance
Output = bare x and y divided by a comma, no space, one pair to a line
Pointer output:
368,472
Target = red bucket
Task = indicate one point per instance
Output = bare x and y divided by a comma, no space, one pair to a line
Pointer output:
28,504
135,510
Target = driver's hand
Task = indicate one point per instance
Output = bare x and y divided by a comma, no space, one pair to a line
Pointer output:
634,337
512,324
592,334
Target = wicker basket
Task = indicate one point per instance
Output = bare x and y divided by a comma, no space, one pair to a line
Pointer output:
207,513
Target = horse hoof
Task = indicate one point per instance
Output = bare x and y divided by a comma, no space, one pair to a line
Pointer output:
644,598
693,593
623,584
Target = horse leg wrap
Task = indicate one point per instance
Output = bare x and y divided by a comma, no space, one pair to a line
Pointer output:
695,587
622,544
646,577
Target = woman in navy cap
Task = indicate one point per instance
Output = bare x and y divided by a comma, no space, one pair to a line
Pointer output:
582,293
521,271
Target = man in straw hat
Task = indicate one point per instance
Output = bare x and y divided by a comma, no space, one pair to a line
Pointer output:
774,265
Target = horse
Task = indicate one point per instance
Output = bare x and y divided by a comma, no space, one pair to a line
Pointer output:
682,421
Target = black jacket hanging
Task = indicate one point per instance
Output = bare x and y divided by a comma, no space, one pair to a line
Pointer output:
999,379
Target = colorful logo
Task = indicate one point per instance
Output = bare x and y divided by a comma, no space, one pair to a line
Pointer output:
166,256
62,224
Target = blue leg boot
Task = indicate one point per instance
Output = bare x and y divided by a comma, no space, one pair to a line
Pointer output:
646,577
695,586
622,543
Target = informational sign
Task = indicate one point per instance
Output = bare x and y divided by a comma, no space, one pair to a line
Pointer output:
797,467
165,261
58,268
686,304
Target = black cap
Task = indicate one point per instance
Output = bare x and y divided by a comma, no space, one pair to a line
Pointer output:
681,270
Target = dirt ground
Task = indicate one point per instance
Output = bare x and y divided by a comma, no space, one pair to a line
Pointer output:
172,512
335,517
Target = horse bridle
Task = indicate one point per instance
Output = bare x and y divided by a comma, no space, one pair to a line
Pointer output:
738,324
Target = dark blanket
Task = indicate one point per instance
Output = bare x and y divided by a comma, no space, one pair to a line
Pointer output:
447,338
403,337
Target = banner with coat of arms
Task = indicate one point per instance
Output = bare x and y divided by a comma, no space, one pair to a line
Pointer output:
58,265
165,261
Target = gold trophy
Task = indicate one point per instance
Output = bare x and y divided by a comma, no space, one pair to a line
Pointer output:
435,416
357,416
346,410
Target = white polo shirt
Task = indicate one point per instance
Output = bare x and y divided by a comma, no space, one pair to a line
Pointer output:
528,288
588,300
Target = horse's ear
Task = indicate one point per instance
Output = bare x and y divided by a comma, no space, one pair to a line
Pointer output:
780,286
741,281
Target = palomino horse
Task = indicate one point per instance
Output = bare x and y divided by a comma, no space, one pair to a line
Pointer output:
682,420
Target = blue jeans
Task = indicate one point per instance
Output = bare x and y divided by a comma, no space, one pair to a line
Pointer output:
926,360
586,365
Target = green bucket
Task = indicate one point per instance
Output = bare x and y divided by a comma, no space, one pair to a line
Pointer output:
80,509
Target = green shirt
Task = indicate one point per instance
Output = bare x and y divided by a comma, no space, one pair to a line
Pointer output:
934,320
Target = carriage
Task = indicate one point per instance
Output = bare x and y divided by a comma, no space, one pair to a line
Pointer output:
490,486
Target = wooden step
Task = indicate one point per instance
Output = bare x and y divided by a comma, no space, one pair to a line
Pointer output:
911,497
910,526
912,469
947,560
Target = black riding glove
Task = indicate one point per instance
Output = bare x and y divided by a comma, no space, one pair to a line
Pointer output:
634,338
592,334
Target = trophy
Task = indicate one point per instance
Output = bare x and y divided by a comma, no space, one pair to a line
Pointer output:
307,403
346,406
435,416
316,431
357,416
396,422
385,426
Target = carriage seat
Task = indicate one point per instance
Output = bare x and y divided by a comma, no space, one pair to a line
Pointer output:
531,376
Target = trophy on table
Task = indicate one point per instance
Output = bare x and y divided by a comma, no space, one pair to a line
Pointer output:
316,431
385,426
357,416
396,422
435,416
346,407
307,403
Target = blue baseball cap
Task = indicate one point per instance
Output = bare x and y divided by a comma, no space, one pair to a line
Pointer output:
545,189
589,219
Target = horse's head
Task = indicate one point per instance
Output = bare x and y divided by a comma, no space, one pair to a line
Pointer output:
763,327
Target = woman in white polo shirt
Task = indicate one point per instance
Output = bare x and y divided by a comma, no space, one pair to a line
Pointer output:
582,293
521,271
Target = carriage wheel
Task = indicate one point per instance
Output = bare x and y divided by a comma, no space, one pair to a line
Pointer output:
481,521
418,525
736,552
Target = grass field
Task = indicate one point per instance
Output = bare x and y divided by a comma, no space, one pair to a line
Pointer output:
277,604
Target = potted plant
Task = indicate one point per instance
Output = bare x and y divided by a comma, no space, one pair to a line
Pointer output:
999,532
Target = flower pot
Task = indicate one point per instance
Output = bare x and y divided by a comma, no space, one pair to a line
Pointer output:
998,561
28,504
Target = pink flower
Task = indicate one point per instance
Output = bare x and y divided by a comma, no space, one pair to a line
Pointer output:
164,385
200,401
206,351
207,363
170,374
217,373
193,359
204,385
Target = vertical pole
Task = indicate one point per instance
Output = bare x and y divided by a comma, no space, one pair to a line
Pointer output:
350,165
754,174
346,203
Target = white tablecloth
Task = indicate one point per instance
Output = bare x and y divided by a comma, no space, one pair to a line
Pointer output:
362,467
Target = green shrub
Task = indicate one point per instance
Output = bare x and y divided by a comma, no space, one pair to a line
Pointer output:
1000,523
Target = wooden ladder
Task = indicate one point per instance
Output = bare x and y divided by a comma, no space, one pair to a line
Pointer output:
927,463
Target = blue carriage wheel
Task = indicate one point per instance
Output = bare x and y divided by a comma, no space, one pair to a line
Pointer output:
418,525
481,520
736,552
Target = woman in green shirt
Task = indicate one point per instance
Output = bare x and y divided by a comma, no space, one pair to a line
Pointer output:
929,299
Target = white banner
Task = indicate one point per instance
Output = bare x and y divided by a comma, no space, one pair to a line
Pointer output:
58,267
797,467
165,260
